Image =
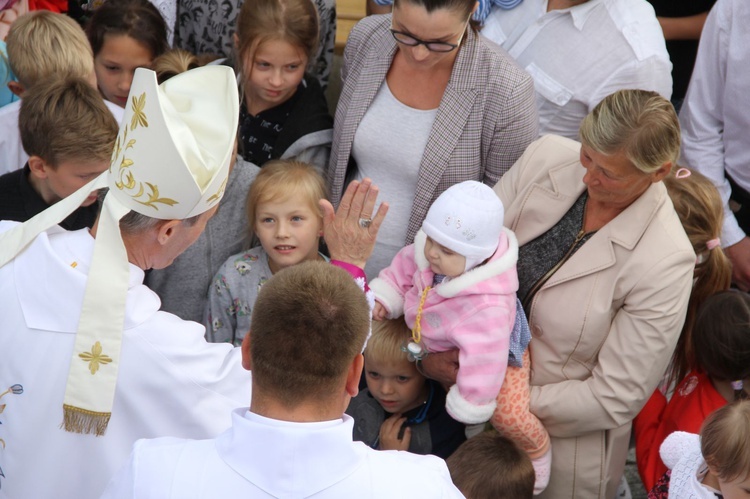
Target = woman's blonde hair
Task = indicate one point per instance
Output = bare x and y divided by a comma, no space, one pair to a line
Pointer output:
640,123
725,441
700,209
281,179
259,21
387,338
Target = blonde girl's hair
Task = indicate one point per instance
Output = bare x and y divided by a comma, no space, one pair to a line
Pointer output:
386,341
281,179
173,62
700,209
640,123
259,21
725,440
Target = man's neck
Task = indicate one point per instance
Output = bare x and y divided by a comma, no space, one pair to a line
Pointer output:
305,412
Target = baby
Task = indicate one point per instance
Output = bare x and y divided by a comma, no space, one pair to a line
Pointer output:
456,287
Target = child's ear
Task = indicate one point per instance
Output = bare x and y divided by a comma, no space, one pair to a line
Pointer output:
38,167
16,88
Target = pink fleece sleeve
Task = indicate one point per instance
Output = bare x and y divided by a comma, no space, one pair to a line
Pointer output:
483,340
395,280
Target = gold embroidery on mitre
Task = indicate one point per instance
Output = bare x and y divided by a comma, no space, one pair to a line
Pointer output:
219,193
126,180
95,357
139,117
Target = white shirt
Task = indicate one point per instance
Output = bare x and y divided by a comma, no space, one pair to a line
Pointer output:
264,458
578,56
715,116
12,155
171,382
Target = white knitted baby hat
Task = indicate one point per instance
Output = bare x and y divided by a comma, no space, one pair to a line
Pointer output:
468,219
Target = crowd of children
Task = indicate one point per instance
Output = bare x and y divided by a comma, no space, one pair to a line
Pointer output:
453,288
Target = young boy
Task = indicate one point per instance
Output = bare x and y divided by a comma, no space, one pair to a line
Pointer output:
400,409
69,134
41,45
490,465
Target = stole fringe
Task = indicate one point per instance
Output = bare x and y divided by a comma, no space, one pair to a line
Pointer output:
77,420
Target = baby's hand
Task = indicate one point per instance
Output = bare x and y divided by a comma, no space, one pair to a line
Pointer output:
389,434
379,313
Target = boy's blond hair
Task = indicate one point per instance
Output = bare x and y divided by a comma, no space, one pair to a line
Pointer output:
388,337
42,44
725,441
64,119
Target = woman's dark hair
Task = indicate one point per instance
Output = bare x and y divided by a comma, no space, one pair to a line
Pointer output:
464,7
721,338
138,19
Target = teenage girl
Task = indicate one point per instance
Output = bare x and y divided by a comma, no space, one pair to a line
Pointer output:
284,114
699,207
124,35
283,213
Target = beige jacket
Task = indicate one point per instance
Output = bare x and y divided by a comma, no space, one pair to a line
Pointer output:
605,324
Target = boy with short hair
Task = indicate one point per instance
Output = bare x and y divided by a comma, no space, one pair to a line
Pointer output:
69,134
41,45
400,409
490,465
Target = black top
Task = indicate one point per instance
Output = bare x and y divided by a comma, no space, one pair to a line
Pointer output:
20,202
681,52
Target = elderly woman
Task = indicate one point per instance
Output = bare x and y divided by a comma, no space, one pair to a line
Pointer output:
426,103
605,272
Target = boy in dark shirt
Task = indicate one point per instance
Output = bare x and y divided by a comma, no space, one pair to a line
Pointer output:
400,409
68,133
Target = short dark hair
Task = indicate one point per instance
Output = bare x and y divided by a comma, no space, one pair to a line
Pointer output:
63,119
721,336
490,465
309,323
138,19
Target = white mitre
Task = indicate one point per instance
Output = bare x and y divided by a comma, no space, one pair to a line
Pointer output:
171,161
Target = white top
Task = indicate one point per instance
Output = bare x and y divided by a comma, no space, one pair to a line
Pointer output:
262,458
681,452
715,116
388,147
12,155
578,56
171,382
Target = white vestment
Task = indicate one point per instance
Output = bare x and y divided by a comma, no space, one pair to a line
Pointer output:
262,458
171,382
579,55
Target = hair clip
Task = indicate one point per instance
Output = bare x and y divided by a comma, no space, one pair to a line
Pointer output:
682,173
737,385
713,243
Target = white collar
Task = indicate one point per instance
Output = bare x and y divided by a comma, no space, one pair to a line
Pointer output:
290,460
580,13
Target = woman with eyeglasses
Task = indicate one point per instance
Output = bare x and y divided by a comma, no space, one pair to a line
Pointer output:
425,103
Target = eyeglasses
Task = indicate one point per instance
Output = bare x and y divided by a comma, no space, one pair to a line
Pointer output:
413,41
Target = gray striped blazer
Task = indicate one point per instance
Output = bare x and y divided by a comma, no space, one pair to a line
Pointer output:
486,118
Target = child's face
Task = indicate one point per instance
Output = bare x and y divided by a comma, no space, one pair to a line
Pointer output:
397,386
289,231
275,73
115,65
442,260
69,176
739,488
